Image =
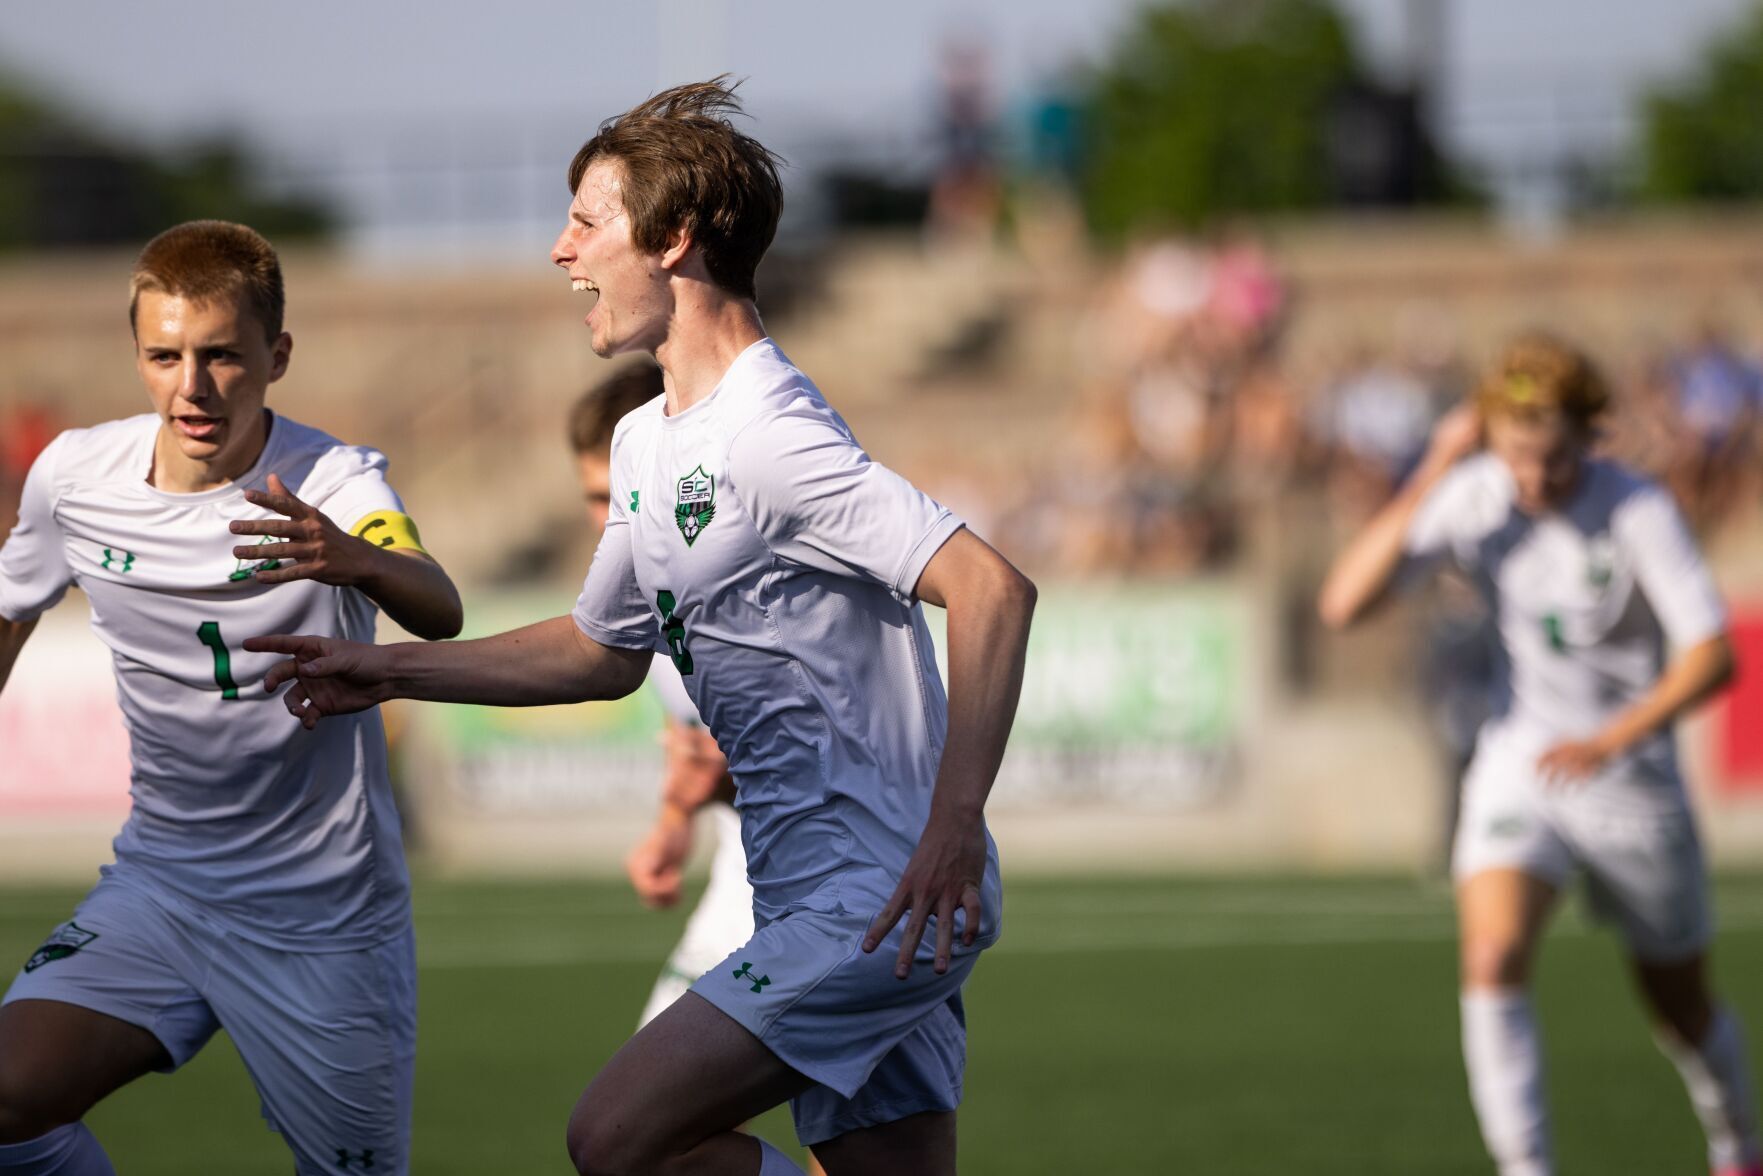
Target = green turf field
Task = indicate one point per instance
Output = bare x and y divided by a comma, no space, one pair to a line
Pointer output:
1123,1026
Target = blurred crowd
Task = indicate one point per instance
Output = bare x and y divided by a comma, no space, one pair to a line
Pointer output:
1190,425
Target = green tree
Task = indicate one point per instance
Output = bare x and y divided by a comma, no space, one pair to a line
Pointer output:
1704,140
62,183
1214,107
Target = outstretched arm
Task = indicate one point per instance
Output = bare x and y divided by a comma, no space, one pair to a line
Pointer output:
1361,574
13,635
540,665
989,604
408,584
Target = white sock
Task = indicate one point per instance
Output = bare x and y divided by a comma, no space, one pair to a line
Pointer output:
1718,1079
1503,1053
774,1163
66,1151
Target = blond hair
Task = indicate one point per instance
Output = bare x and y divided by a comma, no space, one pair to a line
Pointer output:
1538,375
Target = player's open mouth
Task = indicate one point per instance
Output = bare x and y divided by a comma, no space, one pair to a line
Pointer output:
199,428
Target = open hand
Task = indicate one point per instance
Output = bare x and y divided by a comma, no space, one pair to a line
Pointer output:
330,676
313,547
1572,762
944,875
1455,436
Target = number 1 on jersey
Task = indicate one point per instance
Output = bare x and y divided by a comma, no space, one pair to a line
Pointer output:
674,630
209,634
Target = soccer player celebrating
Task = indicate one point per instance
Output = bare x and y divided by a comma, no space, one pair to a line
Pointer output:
1590,572
695,772
752,540
259,882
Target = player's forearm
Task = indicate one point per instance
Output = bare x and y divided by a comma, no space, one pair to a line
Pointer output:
988,648
1689,679
672,816
541,665
1361,574
13,635
414,591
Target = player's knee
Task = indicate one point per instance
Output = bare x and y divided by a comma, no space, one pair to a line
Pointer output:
610,1141
1495,963
601,1143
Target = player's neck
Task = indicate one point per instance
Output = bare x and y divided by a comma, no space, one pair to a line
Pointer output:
175,472
705,340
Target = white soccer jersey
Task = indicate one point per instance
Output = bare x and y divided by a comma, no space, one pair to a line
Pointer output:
670,688
753,540
1585,596
287,836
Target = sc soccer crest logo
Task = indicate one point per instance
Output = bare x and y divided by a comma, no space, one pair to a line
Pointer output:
67,939
696,506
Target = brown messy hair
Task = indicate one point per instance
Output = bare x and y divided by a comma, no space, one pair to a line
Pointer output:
598,410
1538,375
208,259
686,167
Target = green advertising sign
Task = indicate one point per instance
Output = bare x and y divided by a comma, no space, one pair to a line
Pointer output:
1132,694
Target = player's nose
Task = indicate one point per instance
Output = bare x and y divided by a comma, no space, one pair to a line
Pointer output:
193,382
561,253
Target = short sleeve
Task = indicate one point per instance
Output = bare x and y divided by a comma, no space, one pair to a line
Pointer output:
350,484
818,500
611,608
34,572
1432,536
1669,569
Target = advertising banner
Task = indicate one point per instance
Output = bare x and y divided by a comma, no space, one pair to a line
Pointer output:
63,750
1134,695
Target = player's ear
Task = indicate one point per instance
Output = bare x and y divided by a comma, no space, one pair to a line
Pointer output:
279,351
679,245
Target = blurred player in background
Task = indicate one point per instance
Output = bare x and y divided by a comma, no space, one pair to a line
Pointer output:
1591,575
259,882
695,772
751,538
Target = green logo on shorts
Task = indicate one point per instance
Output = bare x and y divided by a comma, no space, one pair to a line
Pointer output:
696,508
746,973
63,942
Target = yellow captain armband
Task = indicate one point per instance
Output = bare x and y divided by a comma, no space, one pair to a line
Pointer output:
390,528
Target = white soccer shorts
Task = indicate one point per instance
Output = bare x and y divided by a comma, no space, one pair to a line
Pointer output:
329,1038
880,1049
1629,829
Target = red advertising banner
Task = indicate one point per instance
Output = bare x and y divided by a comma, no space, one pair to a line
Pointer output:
1740,718
63,750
